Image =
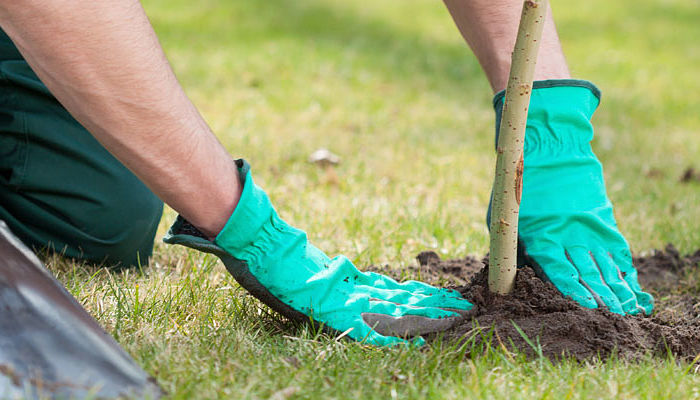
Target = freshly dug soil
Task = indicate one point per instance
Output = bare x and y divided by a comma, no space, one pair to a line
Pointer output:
433,270
558,327
562,327
673,279
663,269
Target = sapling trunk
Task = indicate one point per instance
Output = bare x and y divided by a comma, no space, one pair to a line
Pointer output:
507,187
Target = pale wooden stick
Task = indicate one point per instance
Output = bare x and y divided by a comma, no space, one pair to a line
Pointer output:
507,187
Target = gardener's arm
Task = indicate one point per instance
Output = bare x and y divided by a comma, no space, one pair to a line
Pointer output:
103,62
567,228
490,28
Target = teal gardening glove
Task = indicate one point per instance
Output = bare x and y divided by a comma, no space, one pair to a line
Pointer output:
275,263
567,230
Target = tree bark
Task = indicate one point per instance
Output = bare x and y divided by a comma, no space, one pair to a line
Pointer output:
507,187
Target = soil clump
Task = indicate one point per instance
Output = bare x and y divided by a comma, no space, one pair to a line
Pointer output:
674,280
663,269
690,175
537,313
536,319
435,271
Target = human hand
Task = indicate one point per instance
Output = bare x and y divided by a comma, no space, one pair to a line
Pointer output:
275,263
567,230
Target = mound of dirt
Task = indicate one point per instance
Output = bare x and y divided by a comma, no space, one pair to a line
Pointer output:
536,317
560,326
433,270
663,269
665,275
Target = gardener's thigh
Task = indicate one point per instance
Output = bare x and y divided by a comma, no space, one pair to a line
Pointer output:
59,188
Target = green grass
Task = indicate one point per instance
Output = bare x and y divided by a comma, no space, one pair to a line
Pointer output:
390,87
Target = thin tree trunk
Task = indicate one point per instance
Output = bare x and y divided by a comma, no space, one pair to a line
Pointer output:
509,163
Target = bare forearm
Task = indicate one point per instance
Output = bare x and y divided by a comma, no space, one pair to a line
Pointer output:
490,28
102,61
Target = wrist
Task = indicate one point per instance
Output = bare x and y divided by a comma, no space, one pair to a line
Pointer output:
558,115
252,215
213,208
538,85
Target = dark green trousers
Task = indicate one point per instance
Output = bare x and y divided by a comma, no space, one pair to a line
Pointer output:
59,188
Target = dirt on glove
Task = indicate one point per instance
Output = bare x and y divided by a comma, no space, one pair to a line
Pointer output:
536,319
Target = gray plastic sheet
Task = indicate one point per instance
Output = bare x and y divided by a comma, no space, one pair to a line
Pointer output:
50,347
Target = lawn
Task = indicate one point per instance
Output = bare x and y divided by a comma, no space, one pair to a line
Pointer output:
392,89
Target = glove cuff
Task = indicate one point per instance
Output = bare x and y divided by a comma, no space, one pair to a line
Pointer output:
559,113
252,212
499,97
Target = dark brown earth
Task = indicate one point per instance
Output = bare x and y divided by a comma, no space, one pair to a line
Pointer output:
663,269
555,326
433,270
674,280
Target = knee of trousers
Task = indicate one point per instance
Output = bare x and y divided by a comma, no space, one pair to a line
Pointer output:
122,234
114,229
